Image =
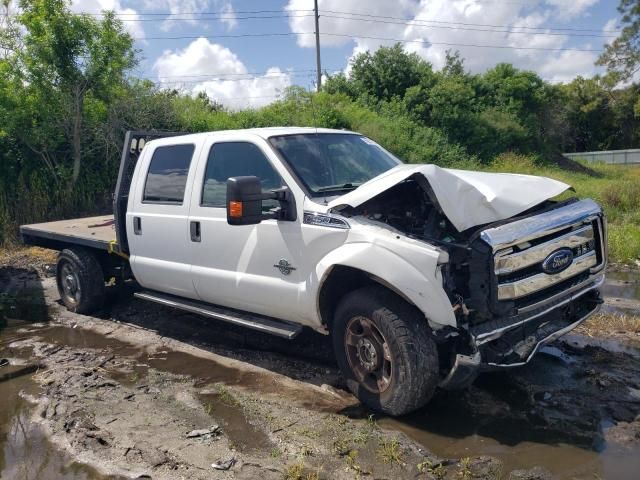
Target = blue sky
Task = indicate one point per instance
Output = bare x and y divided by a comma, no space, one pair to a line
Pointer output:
556,38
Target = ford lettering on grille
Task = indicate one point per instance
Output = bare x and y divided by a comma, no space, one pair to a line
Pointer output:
557,261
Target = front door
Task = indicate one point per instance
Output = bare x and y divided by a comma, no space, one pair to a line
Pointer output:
254,268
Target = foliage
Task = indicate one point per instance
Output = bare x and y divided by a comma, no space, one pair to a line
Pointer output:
503,109
622,56
66,101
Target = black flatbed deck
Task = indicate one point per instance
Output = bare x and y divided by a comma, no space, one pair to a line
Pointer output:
93,232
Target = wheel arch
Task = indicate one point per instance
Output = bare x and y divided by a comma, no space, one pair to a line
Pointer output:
356,265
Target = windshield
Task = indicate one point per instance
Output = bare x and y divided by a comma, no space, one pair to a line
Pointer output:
333,163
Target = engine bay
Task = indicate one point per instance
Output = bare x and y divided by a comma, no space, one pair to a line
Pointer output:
407,207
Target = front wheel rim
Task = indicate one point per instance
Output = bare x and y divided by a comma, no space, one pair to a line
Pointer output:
368,354
70,283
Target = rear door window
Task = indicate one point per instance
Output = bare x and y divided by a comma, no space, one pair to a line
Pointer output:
236,159
167,176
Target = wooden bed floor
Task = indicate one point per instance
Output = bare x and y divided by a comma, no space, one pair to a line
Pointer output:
97,229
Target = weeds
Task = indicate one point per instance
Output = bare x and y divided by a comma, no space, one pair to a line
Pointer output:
608,323
465,469
438,470
298,471
305,451
225,395
389,451
275,452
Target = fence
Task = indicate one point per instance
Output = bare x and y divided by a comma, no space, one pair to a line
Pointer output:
617,157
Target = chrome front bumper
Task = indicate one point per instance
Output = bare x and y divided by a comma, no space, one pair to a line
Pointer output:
466,367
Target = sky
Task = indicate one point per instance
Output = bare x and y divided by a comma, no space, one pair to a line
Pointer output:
244,53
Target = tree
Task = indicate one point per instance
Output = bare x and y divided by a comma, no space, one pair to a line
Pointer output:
622,56
388,72
65,60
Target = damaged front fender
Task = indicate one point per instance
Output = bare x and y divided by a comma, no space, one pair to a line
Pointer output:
417,279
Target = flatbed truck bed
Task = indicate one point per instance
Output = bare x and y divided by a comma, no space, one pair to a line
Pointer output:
93,232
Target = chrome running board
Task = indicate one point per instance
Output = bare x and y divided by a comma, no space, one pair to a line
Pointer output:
260,323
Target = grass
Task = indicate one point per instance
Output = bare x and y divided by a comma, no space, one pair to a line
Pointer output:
225,395
389,451
438,470
465,469
298,471
616,188
603,324
22,255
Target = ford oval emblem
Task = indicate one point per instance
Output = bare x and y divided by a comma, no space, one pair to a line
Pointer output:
557,261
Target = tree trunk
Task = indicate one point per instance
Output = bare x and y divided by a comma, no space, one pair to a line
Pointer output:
78,104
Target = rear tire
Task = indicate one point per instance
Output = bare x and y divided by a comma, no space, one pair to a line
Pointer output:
80,280
385,350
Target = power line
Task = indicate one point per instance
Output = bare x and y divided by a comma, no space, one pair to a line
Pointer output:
134,17
218,19
242,35
206,79
221,74
466,23
219,12
425,42
453,27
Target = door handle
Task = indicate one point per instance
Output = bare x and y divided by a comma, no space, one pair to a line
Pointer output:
137,225
194,229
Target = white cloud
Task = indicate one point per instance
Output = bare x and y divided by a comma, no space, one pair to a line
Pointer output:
229,17
435,26
183,8
131,19
568,9
193,68
567,65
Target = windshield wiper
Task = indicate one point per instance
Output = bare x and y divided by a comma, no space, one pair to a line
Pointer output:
339,188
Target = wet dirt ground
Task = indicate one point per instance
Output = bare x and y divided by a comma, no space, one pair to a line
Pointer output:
118,394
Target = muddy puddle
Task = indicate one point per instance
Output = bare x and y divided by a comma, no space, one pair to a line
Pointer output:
204,371
537,419
622,291
450,431
243,435
25,452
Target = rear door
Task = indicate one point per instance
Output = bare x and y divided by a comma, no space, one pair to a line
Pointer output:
158,217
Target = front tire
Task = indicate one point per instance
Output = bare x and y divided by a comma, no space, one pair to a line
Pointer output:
80,280
385,350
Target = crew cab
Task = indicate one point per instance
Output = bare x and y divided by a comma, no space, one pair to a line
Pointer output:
422,276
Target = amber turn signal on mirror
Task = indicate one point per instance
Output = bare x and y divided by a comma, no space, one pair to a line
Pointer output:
235,209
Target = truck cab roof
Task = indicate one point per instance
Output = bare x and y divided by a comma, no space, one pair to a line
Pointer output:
264,132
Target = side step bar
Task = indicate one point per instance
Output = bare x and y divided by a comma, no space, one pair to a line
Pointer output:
256,322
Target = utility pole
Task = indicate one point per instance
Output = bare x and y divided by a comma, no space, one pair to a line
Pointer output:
318,67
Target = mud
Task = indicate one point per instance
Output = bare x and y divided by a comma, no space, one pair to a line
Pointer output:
120,391
622,291
25,451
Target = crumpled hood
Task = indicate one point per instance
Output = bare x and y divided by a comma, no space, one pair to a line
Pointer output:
466,197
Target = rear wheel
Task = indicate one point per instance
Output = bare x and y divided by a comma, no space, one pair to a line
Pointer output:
385,350
80,280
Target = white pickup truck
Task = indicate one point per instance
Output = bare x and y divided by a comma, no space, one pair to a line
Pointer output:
423,276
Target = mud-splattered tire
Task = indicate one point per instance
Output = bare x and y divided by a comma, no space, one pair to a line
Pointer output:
80,280
399,342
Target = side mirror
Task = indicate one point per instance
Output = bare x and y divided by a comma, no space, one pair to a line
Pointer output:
244,202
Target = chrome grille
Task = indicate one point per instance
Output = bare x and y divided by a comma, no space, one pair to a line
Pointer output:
520,249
